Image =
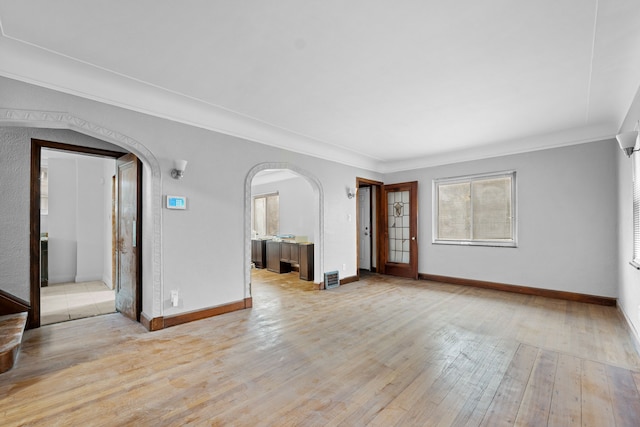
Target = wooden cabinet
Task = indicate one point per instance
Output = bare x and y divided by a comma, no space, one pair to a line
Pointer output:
280,256
259,253
294,258
306,261
289,252
274,263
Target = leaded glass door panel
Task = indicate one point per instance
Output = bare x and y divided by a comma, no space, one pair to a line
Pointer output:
400,213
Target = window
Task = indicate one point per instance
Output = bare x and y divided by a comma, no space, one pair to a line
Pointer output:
636,212
265,220
475,210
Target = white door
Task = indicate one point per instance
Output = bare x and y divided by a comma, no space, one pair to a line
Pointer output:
364,231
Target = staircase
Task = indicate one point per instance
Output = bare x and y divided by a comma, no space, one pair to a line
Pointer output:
11,328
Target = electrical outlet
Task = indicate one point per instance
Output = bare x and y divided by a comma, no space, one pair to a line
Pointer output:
344,267
174,298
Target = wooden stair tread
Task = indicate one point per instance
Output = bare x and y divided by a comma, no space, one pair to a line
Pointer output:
11,328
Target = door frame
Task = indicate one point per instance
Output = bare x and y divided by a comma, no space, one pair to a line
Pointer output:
379,238
34,214
399,269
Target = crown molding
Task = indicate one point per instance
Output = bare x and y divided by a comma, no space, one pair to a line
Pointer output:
35,65
41,67
560,139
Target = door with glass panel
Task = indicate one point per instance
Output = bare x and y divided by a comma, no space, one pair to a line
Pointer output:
400,213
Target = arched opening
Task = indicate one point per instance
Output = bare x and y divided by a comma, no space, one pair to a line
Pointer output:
151,281
317,227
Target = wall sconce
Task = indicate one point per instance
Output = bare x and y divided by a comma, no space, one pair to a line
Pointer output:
178,169
351,192
628,141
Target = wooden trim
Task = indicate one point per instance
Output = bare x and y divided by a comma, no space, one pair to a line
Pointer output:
526,290
318,286
190,316
158,323
378,221
139,245
77,148
366,181
349,279
145,321
154,324
11,304
34,236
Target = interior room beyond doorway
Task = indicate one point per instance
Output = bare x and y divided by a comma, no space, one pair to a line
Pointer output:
76,236
283,224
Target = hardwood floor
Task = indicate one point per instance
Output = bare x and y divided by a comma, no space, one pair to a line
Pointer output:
382,351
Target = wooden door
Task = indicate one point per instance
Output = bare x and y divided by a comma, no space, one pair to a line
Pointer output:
399,211
364,228
129,235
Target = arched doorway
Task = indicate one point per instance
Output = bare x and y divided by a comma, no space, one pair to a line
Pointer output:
151,187
318,228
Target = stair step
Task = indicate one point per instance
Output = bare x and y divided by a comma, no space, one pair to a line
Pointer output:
11,329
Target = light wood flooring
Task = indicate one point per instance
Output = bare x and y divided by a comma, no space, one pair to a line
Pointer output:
381,352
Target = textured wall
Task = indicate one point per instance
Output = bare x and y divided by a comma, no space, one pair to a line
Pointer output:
15,157
14,212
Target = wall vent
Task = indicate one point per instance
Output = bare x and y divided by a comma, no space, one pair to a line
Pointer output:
331,279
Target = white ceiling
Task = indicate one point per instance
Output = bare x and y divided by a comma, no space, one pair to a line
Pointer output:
377,84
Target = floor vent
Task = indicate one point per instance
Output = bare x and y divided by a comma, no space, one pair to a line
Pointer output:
331,280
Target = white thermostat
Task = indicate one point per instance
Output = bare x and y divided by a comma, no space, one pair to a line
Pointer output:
176,202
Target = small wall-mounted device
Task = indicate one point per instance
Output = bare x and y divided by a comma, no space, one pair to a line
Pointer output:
174,298
176,202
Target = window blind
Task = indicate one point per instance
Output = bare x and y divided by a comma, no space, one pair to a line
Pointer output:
636,212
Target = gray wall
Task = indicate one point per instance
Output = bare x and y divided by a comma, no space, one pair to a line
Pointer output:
567,233
567,206
63,220
79,229
202,250
297,212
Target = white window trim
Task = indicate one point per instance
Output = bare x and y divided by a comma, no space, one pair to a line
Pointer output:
469,242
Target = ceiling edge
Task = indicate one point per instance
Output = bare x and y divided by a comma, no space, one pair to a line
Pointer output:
526,145
35,65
